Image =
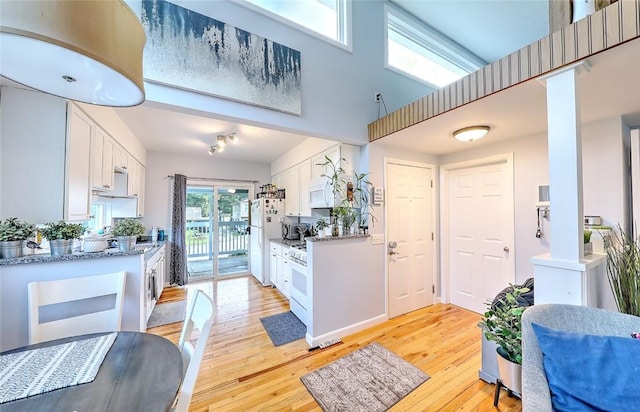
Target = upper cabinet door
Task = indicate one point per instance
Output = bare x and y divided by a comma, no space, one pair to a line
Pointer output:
304,170
77,187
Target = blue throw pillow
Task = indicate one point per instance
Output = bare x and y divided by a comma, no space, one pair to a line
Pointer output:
589,372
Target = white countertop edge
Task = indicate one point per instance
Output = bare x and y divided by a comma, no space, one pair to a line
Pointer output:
588,262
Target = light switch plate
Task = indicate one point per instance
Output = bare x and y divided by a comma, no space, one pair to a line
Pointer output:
377,239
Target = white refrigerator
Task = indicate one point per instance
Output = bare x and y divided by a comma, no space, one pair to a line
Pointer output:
265,223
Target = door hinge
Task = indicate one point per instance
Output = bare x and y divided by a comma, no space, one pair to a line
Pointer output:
432,237
432,183
433,288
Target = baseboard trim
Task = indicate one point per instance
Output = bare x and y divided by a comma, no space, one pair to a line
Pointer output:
314,341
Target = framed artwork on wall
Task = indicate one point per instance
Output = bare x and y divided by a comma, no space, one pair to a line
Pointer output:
194,52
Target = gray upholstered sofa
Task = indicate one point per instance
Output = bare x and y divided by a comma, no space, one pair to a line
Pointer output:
579,319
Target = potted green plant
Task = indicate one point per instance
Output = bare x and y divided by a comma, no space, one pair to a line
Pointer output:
350,195
501,323
588,247
13,233
322,227
126,231
61,236
623,270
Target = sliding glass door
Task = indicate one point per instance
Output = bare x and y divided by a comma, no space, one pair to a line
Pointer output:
217,219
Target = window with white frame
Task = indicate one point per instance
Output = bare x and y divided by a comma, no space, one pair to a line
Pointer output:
424,54
328,18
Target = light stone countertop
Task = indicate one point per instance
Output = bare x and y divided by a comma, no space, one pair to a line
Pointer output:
46,257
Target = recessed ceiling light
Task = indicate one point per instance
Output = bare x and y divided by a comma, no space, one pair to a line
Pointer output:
469,134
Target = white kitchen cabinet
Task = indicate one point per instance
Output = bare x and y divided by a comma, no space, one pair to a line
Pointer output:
101,160
154,279
121,158
33,129
78,172
290,180
280,271
321,158
295,181
141,174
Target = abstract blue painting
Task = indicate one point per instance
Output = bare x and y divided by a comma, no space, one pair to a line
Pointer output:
191,51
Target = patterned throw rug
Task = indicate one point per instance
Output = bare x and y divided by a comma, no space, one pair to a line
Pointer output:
369,379
284,328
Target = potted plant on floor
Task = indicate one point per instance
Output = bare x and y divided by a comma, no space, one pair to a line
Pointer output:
13,233
61,236
126,231
623,269
502,324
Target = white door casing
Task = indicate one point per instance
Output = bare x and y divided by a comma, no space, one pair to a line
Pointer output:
478,230
410,223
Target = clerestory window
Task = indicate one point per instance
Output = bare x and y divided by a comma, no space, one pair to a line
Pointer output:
422,53
330,19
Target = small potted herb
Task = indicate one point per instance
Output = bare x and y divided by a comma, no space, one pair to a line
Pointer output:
322,226
126,232
61,236
13,233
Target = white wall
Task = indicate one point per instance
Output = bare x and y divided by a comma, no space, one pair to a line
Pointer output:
338,86
604,182
158,185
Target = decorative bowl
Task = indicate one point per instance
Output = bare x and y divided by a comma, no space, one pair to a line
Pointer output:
94,244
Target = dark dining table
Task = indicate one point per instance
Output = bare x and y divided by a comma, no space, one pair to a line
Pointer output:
141,372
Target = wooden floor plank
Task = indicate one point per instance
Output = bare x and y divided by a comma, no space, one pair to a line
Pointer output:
243,371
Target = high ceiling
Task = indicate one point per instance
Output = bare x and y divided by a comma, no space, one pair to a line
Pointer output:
492,29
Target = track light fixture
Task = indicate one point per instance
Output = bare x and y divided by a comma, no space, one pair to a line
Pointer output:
221,142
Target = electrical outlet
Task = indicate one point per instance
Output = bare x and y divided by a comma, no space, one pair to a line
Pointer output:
377,97
377,239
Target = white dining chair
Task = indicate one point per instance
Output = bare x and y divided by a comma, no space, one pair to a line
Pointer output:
200,315
74,319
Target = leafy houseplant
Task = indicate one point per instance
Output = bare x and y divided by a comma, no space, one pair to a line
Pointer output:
12,229
350,193
126,232
61,235
62,230
13,233
128,227
623,269
502,324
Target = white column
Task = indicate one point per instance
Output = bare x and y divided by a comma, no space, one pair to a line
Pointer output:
565,166
564,276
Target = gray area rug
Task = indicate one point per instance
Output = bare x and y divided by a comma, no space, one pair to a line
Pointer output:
166,313
368,379
284,328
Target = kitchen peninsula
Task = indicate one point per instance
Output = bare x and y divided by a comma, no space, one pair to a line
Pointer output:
336,294
141,288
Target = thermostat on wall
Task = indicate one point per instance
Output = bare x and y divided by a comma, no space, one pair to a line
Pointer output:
377,195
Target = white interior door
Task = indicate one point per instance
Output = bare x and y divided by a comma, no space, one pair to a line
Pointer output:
480,232
410,225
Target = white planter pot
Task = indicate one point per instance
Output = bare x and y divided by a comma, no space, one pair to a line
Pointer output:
321,233
510,373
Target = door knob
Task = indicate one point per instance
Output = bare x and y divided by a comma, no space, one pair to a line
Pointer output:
506,248
392,245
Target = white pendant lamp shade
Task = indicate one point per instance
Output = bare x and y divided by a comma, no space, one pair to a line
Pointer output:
89,51
469,134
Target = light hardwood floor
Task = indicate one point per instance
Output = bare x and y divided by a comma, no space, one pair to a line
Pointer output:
243,371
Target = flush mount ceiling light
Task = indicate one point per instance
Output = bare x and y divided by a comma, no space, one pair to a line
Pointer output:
469,134
89,51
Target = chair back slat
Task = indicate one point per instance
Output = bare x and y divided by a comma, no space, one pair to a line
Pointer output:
67,291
